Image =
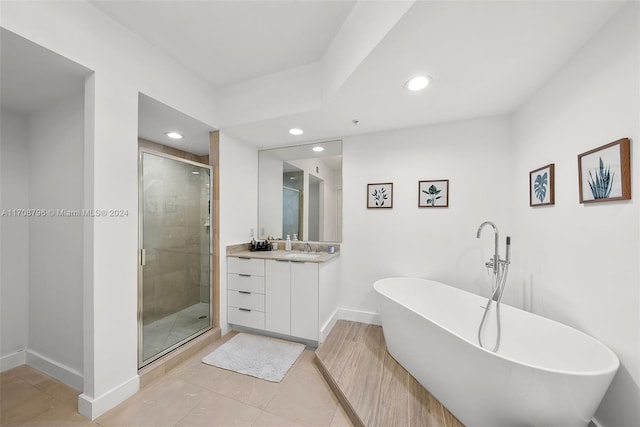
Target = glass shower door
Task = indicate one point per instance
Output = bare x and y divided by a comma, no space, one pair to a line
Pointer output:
291,212
174,295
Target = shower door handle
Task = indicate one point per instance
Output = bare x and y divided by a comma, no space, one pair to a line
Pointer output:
143,257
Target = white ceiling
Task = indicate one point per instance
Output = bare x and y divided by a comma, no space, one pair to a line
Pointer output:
155,119
485,58
233,41
32,77
318,65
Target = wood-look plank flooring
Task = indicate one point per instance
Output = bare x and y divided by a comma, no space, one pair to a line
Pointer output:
374,389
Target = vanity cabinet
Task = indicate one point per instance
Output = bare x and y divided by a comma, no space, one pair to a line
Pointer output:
304,300
246,292
294,298
278,296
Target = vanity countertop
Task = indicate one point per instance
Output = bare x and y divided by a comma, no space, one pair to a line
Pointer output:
281,255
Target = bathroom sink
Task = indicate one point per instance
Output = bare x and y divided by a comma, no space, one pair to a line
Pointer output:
301,255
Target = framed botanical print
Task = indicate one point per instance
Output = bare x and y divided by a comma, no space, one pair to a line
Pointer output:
604,173
380,195
433,194
541,186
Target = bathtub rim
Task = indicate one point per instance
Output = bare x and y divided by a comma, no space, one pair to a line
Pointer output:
612,369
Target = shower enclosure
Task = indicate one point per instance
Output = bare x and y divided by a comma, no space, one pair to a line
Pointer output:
174,283
292,202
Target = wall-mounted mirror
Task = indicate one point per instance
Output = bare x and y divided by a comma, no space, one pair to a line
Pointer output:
300,192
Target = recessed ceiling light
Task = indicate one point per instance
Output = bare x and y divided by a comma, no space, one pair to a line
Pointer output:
417,83
296,131
174,135
195,172
318,149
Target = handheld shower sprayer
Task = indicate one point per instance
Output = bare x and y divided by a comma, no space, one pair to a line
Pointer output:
500,269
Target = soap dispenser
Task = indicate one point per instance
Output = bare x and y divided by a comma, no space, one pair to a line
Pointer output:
287,244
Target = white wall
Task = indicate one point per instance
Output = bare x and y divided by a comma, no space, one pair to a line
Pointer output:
42,259
315,217
238,203
270,203
574,263
337,222
438,243
326,174
14,249
56,138
124,65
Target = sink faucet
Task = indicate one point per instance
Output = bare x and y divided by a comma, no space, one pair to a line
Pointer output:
496,257
307,246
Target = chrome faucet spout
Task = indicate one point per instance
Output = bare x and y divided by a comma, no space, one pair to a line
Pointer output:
496,256
495,228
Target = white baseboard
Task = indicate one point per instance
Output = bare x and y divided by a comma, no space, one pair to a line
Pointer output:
359,316
92,408
55,369
12,360
348,314
328,326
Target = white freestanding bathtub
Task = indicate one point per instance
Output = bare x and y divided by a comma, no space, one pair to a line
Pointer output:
544,373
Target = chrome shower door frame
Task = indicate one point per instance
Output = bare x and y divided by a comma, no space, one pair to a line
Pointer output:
141,255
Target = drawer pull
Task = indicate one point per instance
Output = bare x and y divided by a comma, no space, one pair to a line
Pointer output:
244,275
242,257
244,309
245,292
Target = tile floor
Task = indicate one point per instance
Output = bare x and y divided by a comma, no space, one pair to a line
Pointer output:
192,394
163,333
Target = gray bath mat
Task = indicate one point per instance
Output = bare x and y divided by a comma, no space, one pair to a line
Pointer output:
254,355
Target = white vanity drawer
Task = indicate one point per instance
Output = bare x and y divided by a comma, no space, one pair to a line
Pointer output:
243,299
249,318
242,282
250,266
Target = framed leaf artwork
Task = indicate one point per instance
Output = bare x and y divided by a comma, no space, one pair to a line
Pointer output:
604,173
541,186
380,195
433,194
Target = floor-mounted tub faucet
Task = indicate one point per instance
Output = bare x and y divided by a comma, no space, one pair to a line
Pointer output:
500,268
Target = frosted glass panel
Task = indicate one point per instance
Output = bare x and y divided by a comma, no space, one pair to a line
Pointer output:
175,221
291,212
